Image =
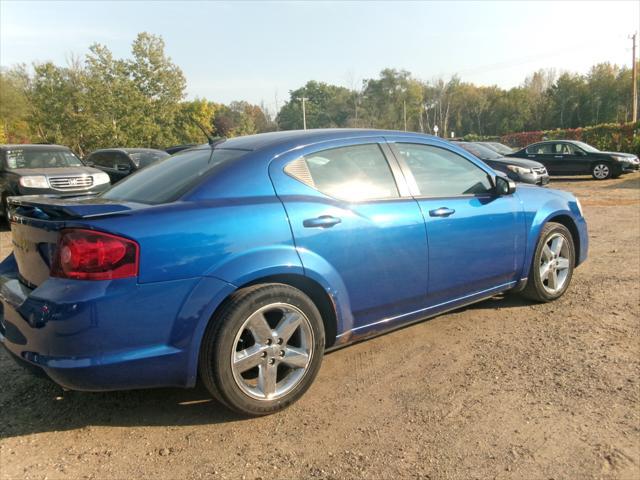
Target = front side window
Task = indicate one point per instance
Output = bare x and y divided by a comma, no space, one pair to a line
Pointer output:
441,173
540,149
103,159
353,173
40,158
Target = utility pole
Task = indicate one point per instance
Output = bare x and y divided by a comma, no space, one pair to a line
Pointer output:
404,114
304,112
634,81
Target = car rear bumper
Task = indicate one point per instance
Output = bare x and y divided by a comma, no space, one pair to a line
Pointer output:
107,335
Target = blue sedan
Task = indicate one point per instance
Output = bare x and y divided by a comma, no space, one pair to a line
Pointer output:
242,262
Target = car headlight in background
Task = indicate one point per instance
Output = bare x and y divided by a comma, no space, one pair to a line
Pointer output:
34,181
100,178
519,170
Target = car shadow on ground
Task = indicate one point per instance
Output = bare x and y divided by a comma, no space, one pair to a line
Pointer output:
48,408
33,405
632,182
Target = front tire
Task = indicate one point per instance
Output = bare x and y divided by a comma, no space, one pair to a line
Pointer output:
263,349
553,264
601,171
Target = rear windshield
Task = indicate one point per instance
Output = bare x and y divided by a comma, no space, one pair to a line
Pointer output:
168,179
40,158
142,159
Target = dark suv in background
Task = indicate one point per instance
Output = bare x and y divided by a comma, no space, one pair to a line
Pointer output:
120,162
570,157
46,169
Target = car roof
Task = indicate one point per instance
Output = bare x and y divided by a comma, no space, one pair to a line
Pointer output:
293,138
32,146
128,150
555,141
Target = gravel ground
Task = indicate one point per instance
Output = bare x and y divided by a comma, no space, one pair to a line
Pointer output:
502,389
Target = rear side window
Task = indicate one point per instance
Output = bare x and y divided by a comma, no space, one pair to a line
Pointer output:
540,149
441,173
167,179
353,173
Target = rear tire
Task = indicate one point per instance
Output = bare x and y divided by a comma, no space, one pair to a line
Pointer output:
262,349
552,266
601,171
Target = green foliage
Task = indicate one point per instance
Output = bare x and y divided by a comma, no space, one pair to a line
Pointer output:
544,101
102,101
327,106
14,106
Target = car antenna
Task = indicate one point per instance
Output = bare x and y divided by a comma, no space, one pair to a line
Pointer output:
212,140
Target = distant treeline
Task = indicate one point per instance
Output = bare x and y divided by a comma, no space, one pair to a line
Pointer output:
98,101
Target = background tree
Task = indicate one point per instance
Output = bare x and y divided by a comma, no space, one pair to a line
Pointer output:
14,106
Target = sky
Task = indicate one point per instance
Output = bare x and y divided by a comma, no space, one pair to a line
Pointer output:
259,51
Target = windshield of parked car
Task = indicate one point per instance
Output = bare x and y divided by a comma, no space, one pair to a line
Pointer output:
586,147
480,151
499,147
40,158
142,159
168,179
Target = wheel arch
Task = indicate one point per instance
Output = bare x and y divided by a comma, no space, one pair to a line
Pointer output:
570,225
315,292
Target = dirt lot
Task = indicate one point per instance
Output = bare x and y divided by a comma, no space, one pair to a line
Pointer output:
502,389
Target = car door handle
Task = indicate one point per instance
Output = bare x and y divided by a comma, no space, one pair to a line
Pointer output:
323,221
441,212
558,156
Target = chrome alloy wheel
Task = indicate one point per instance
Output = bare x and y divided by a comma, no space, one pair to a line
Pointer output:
554,263
272,352
601,171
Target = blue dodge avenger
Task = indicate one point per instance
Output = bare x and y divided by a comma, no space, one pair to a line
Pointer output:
242,262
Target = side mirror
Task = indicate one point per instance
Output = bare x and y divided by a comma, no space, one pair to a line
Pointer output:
504,185
579,152
123,167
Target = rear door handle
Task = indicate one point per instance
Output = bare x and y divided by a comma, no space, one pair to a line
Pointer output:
323,221
441,212
558,156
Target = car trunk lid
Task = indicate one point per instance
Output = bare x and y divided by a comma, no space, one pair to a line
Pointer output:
37,221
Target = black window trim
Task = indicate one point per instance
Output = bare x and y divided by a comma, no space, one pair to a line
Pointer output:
399,179
413,185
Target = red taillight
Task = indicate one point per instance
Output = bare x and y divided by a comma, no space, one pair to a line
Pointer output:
90,255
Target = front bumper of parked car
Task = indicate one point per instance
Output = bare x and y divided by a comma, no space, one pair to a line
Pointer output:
95,189
90,335
533,178
630,167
